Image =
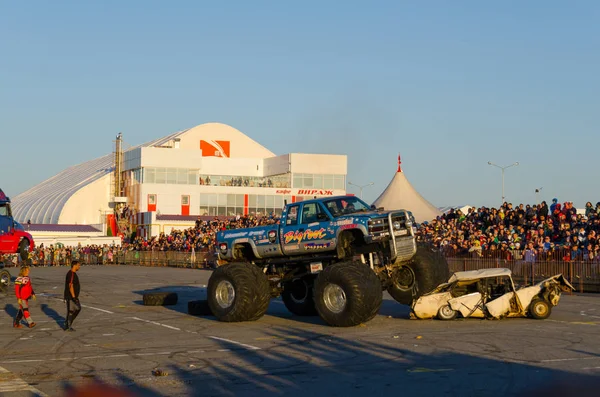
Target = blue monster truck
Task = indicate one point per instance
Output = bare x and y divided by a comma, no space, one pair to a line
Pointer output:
329,256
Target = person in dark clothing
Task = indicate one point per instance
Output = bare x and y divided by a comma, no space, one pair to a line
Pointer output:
71,295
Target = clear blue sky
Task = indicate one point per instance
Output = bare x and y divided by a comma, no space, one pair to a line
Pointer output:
449,85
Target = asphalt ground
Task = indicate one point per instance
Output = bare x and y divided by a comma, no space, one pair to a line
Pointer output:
119,341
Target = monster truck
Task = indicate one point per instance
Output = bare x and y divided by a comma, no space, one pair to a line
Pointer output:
13,237
328,256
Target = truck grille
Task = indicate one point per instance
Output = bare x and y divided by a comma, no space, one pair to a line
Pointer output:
381,228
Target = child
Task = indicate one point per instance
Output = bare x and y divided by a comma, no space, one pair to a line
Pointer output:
24,291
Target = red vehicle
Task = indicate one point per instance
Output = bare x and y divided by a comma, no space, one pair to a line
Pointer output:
13,237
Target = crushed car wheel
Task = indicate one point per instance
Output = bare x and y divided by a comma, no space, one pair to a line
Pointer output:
298,298
160,299
199,308
4,281
446,313
238,292
540,309
427,270
347,294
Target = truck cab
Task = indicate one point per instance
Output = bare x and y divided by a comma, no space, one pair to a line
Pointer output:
13,237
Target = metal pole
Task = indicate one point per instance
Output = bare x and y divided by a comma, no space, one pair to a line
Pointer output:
502,186
503,168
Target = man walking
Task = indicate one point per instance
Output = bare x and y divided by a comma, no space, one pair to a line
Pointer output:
72,295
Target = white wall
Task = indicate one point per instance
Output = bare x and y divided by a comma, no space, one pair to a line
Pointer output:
319,163
233,167
277,165
89,204
170,157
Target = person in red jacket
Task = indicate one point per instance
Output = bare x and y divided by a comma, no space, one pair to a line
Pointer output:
23,291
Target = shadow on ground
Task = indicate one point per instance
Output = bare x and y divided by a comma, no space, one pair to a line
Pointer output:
53,314
313,363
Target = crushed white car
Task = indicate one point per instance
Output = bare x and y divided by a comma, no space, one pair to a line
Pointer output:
490,293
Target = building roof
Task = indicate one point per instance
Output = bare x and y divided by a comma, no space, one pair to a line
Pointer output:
400,194
43,203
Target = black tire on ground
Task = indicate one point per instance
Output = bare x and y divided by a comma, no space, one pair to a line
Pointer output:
539,309
298,297
347,294
160,299
199,308
4,281
24,249
427,270
238,292
446,313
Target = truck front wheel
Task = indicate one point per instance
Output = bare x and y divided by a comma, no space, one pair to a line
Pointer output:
238,292
427,270
347,294
297,296
24,249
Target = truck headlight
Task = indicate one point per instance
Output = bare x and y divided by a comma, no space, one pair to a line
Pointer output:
397,225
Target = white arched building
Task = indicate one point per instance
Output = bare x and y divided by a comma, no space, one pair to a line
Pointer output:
208,170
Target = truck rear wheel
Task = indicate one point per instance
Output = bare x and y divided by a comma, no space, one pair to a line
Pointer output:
427,270
24,249
297,296
238,292
347,294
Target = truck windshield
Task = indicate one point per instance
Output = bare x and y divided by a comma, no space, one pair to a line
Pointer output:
346,205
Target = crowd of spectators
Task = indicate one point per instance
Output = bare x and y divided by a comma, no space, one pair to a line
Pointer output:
530,232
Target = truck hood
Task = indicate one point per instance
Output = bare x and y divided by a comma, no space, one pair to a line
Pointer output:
369,214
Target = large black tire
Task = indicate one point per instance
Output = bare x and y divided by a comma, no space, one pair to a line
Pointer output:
298,297
160,299
347,294
199,308
427,270
539,309
238,292
24,249
4,281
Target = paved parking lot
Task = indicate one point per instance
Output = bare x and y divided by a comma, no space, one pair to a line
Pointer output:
120,342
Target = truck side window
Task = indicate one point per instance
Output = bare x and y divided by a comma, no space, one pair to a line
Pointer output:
292,215
3,210
309,213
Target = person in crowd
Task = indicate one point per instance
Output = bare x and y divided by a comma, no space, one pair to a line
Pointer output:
23,291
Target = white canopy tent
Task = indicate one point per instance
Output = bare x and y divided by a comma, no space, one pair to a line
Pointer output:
400,194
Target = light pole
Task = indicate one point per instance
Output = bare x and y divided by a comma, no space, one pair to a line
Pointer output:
503,168
537,194
361,187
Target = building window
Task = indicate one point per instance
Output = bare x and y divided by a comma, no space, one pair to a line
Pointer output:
185,200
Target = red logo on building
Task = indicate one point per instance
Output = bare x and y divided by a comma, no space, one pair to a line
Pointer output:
215,148
283,191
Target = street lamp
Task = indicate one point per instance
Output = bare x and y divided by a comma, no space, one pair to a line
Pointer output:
361,187
503,168
537,194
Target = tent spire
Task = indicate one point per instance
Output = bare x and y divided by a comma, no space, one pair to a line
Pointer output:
399,163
